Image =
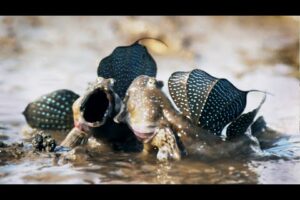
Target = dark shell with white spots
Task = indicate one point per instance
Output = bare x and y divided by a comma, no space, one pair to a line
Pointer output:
210,102
52,111
126,63
241,124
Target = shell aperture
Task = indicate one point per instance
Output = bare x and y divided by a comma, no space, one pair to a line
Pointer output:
98,103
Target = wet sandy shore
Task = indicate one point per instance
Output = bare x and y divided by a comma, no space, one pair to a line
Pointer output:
42,54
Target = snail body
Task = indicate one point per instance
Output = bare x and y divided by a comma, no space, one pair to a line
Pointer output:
153,118
93,113
144,111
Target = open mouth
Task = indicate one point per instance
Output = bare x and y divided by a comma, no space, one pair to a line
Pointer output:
95,107
145,137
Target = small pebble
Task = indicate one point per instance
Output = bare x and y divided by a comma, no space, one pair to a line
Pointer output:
43,142
2,144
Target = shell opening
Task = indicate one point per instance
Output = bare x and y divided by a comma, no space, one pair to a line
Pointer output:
96,106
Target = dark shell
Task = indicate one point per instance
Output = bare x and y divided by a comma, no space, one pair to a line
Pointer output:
52,111
242,123
126,63
43,142
258,127
210,102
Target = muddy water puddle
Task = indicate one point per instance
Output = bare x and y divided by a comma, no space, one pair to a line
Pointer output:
42,54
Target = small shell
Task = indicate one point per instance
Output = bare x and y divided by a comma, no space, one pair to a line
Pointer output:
243,122
52,111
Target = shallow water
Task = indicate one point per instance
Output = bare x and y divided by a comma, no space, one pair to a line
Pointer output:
42,54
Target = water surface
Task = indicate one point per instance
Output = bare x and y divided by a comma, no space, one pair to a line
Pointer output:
42,54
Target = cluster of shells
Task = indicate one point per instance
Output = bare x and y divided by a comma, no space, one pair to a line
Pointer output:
126,107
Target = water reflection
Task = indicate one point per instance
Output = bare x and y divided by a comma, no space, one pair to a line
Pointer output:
123,168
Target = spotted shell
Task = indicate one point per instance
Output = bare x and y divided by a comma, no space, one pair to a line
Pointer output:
211,102
52,111
126,63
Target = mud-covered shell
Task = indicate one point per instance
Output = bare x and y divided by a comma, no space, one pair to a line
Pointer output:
42,141
126,63
52,111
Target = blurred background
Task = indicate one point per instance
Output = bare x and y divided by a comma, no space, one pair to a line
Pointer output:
40,54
